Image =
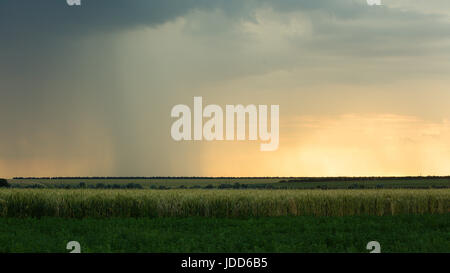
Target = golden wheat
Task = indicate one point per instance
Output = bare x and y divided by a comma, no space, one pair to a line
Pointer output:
220,203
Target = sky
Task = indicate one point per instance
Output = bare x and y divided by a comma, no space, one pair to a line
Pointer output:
88,90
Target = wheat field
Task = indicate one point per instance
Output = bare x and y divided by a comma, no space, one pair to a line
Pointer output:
220,203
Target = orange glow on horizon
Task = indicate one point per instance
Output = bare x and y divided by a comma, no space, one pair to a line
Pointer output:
347,145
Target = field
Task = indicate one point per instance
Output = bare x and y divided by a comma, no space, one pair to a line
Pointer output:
412,233
275,183
219,203
188,215
145,182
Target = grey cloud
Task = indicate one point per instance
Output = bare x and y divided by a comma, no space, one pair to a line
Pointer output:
25,20
55,17
58,69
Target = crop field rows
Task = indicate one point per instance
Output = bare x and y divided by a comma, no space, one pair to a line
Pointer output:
225,214
219,203
240,183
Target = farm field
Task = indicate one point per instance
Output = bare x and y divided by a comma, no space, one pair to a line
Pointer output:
225,220
276,183
403,233
144,182
81,203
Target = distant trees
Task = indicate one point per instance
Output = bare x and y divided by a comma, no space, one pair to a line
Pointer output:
4,183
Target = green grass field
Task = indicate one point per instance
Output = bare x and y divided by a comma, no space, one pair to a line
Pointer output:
228,220
406,233
283,183
146,183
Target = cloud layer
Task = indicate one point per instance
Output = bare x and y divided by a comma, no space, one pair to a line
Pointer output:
88,90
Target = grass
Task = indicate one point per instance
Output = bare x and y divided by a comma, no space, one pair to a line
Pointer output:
405,233
402,220
284,183
367,184
219,203
166,182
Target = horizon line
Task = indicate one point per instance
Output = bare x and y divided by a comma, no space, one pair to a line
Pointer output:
224,177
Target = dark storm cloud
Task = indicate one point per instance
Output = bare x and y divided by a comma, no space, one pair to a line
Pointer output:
51,15
30,18
57,18
39,23
66,92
